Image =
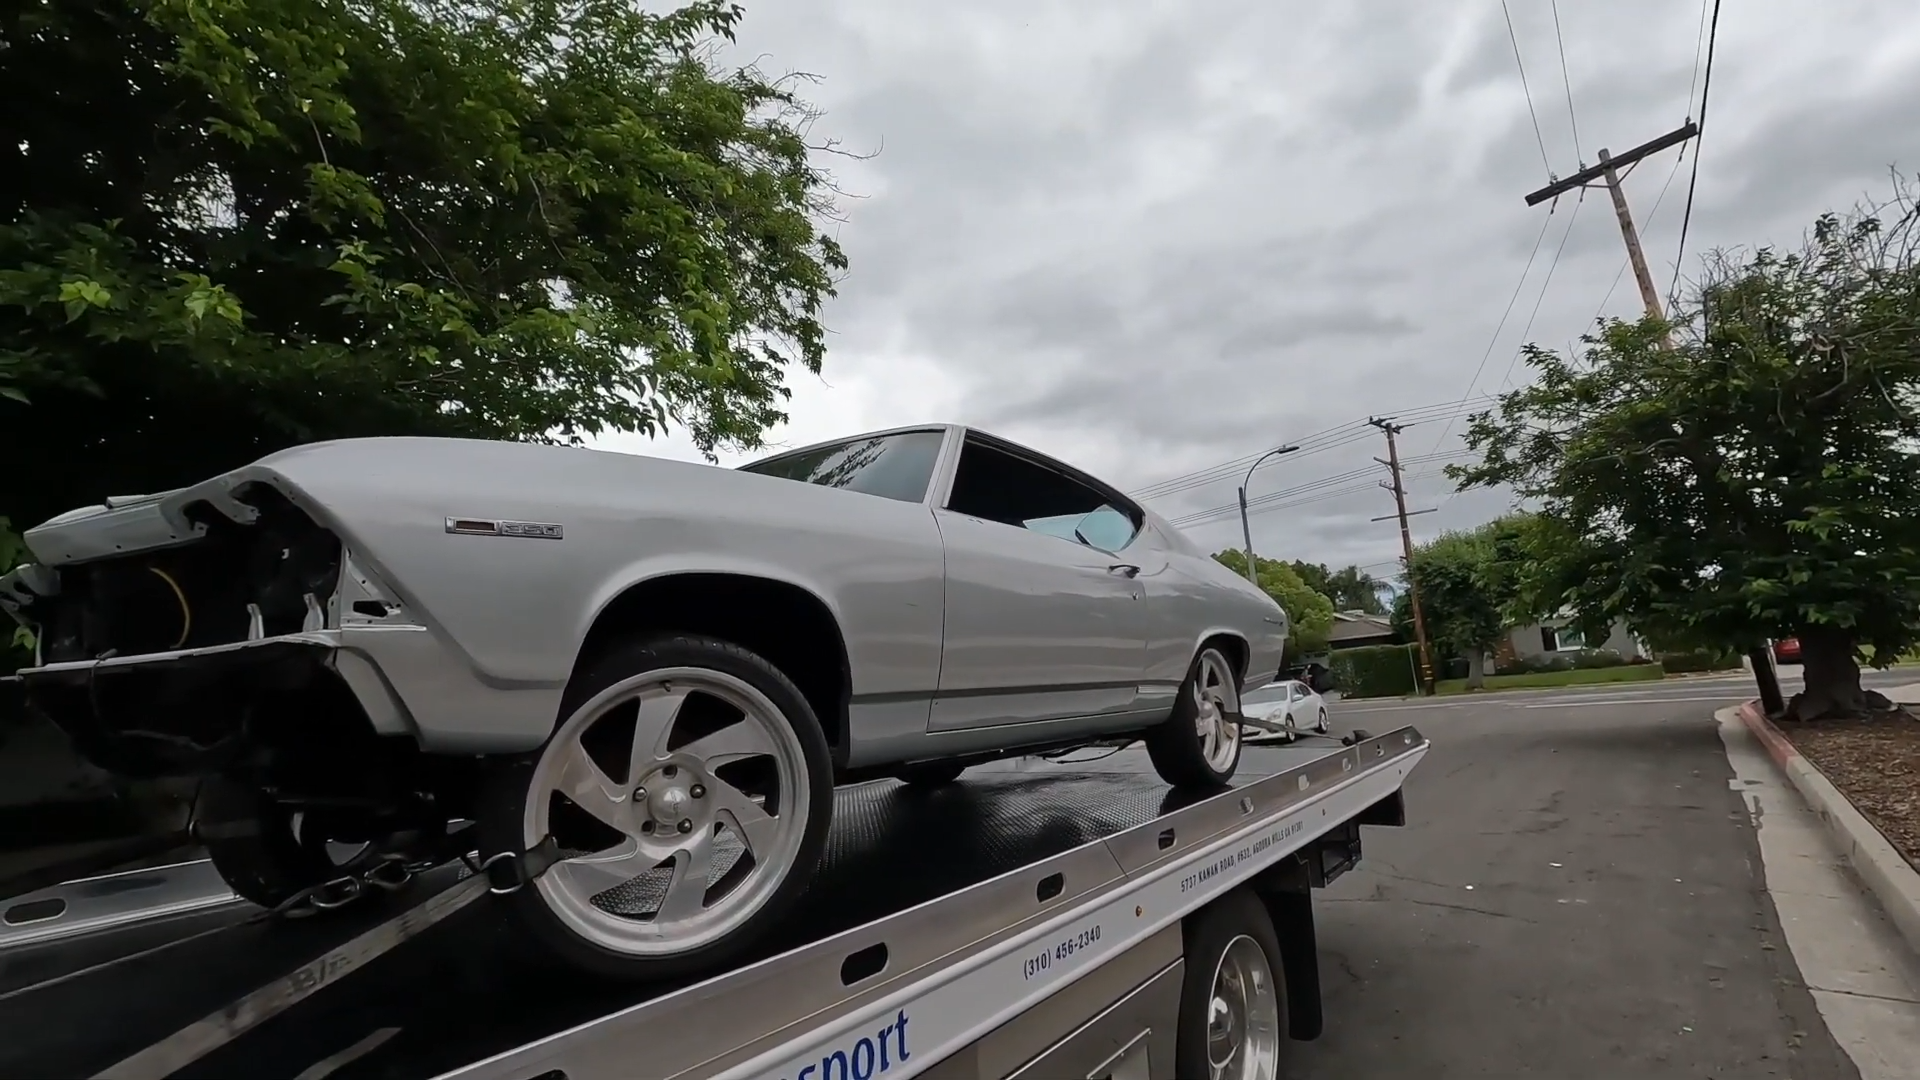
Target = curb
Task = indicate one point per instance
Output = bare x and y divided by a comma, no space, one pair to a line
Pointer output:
1885,872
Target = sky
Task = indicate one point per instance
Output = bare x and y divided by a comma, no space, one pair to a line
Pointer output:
1152,238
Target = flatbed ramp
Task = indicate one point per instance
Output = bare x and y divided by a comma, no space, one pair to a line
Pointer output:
936,917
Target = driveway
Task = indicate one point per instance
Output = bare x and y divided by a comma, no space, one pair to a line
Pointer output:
1581,892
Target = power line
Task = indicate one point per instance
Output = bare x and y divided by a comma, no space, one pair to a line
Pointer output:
1526,89
1567,80
1699,48
1706,87
1538,300
1318,442
1274,498
1481,368
1345,440
1327,487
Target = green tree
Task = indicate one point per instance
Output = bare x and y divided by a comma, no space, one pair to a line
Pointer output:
1310,613
1759,480
1470,582
1350,588
227,226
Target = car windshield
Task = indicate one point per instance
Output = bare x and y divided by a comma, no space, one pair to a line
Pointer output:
891,466
1267,694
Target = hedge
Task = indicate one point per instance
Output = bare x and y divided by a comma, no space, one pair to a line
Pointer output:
1697,660
1374,671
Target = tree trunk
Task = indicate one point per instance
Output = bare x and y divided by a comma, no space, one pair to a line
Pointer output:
1830,666
1476,669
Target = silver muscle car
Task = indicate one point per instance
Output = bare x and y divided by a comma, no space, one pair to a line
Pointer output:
638,679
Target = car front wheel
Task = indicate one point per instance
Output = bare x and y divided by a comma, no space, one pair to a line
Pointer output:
688,789
258,846
1199,743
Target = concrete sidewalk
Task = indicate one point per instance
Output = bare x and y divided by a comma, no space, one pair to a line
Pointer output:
1852,958
1886,872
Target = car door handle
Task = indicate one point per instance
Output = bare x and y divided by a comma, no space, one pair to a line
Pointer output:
1124,569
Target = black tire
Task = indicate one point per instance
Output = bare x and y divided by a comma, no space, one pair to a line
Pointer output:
932,774
499,825
1175,747
1206,935
251,841
1321,727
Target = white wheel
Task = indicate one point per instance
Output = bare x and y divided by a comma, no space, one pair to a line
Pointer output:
684,794
1321,726
1199,744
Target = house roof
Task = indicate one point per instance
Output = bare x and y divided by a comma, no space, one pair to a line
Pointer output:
1353,626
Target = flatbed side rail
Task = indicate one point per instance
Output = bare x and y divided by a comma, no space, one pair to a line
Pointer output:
109,901
897,995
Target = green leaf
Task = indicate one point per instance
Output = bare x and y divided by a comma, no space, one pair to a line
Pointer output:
504,218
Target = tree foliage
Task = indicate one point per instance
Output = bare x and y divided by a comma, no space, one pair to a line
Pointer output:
227,226
1473,586
1759,480
1469,581
1309,612
1350,588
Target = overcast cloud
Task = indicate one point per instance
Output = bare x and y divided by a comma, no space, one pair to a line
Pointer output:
1150,236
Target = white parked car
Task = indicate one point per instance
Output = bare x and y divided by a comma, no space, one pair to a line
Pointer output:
640,678
1289,702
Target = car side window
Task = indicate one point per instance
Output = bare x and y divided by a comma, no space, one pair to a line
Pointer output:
1013,490
891,466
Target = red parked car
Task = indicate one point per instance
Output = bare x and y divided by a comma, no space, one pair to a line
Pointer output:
1786,651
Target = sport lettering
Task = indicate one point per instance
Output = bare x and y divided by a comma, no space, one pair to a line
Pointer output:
868,1057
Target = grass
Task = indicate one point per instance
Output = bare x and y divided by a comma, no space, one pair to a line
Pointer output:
1543,679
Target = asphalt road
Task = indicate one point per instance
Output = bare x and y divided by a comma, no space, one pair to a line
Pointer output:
1579,893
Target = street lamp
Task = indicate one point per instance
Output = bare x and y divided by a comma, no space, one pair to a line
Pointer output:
1246,529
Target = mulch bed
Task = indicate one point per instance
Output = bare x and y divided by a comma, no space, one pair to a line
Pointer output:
1876,765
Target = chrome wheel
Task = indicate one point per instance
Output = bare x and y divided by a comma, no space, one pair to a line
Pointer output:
1216,705
1243,1015
678,798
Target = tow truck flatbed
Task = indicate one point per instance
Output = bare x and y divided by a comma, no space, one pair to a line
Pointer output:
964,922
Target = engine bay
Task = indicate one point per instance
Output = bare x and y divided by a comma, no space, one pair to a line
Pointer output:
234,583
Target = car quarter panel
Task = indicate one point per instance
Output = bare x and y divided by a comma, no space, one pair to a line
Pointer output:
513,611
1193,598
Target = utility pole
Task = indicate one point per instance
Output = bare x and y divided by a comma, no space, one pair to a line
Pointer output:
1607,171
1392,462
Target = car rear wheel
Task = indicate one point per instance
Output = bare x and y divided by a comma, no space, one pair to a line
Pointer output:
688,788
1320,726
1199,743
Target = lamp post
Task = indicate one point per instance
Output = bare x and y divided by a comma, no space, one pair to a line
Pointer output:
1246,529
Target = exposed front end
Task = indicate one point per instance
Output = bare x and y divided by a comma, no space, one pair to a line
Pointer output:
206,634
186,636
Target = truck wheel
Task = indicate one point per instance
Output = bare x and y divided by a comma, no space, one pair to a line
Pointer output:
688,788
933,774
253,843
1233,1004
1199,744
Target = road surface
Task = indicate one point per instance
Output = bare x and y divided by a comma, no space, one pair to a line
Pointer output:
1581,893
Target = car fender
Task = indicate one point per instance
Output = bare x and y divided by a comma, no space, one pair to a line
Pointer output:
661,565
